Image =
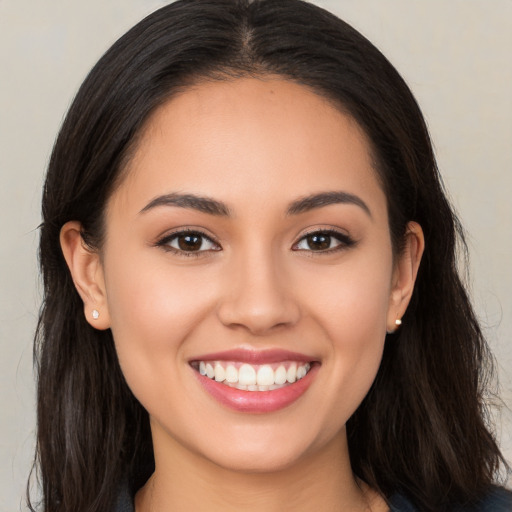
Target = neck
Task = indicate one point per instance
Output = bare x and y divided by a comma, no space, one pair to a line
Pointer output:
184,480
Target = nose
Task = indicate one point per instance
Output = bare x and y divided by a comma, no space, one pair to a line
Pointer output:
258,295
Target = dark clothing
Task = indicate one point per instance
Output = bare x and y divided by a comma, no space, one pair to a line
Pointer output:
498,500
124,501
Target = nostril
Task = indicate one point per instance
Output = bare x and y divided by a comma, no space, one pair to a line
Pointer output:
258,318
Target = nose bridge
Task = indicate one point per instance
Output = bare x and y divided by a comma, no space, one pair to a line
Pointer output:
257,296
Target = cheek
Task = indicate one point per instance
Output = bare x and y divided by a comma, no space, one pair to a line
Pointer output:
353,313
351,300
359,315
153,307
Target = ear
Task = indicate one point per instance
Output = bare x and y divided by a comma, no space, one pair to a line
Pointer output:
87,273
404,274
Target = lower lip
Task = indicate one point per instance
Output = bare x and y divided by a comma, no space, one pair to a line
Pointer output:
257,402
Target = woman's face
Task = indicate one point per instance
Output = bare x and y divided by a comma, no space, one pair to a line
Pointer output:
249,240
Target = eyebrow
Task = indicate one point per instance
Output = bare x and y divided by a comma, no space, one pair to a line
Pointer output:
218,208
202,204
314,201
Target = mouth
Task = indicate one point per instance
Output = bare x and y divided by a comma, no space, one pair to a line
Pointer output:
255,382
252,377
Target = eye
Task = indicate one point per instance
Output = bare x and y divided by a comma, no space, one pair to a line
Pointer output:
323,241
188,242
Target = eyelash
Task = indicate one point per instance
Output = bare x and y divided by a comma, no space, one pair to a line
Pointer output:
345,241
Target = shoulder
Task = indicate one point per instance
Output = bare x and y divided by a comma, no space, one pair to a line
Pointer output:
497,499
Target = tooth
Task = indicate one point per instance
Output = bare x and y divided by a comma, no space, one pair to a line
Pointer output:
210,371
280,375
276,386
248,378
246,375
265,376
220,373
291,374
231,373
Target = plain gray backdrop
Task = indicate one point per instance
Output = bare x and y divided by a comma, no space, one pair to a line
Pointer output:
455,54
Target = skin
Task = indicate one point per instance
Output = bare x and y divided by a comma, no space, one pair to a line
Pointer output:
256,145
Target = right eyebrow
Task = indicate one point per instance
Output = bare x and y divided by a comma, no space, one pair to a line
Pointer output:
192,201
322,199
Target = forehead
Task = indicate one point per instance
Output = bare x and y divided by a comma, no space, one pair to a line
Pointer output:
244,138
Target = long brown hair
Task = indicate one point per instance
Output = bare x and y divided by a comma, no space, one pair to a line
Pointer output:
421,430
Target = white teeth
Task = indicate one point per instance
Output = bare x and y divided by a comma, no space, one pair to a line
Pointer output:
291,374
280,375
265,376
253,378
210,372
246,375
220,373
231,373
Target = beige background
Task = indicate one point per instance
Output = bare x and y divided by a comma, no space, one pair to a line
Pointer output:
455,54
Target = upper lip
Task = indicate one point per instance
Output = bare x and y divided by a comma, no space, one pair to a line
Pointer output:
255,356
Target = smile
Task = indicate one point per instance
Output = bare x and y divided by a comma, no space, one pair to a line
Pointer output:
251,377
255,382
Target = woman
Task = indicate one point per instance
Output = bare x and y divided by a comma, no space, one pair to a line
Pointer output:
251,297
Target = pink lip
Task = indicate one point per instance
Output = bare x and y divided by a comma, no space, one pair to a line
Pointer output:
255,356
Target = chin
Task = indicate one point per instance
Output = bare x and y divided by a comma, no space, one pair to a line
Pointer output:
257,462
268,449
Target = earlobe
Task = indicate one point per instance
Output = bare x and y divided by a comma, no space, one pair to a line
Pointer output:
405,273
87,273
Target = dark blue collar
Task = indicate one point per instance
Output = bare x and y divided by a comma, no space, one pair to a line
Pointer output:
399,503
497,500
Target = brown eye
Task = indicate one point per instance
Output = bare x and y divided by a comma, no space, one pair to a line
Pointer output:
318,241
189,242
324,241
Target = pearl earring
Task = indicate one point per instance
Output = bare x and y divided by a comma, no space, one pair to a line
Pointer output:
398,323
95,314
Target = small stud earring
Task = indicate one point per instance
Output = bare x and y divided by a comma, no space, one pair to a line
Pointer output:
398,322
95,314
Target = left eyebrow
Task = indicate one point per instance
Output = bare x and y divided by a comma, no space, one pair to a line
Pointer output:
314,201
191,201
